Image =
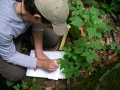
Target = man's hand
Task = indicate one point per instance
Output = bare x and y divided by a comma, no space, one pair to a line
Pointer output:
47,64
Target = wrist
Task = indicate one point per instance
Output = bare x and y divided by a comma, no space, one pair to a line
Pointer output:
38,64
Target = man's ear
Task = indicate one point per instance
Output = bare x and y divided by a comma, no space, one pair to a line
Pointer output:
36,16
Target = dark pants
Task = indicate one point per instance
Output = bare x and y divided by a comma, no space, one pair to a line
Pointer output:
13,72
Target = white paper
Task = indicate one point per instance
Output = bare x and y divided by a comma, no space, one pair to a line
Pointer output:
44,74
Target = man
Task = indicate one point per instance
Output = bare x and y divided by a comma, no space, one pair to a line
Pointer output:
15,18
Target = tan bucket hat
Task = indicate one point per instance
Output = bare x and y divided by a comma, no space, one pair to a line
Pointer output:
56,11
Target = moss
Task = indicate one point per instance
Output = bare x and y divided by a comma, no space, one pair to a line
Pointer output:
91,83
111,81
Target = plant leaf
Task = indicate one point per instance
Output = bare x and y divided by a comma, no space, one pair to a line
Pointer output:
79,50
77,22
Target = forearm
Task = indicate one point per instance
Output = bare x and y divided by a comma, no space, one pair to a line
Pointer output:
38,42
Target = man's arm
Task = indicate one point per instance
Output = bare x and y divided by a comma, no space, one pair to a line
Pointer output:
38,44
42,60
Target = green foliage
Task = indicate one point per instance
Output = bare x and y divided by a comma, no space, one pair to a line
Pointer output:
9,83
89,1
80,57
24,85
82,52
17,87
88,18
111,5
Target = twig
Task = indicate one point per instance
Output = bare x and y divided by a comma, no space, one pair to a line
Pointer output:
68,84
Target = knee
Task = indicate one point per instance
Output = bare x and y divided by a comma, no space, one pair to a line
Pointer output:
18,75
50,39
15,76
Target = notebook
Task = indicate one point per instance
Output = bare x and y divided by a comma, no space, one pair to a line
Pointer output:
44,74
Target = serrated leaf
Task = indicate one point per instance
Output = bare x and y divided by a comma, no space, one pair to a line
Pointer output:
94,55
78,2
102,12
86,53
87,46
62,63
89,59
89,1
71,7
86,17
66,70
79,50
103,26
76,12
88,24
9,83
96,44
84,64
71,67
69,74
84,40
78,43
80,58
72,18
67,48
76,73
91,32
77,22
81,43
104,5
90,69
98,34
94,11
74,57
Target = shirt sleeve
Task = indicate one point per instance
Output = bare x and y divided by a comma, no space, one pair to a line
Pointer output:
9,54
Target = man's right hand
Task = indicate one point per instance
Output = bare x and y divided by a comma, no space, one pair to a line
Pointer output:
48,65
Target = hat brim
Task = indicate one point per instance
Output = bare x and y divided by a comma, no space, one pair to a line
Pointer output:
61,29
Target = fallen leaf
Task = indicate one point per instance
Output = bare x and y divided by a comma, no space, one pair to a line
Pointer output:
83,32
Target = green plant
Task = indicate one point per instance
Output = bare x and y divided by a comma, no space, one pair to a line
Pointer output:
17,87
9,83
24,85
82,52
111,5
79,56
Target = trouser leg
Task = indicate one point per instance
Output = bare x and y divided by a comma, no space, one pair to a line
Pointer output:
13,72
50,38
10,71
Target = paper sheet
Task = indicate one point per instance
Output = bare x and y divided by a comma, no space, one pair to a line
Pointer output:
44,74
